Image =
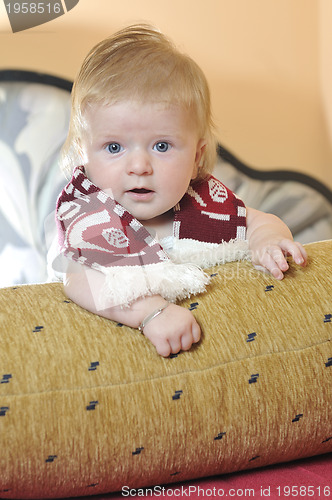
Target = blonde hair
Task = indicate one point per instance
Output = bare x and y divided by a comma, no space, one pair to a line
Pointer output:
141,64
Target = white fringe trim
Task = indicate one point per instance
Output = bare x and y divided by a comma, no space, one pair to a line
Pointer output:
208,254
174,280
125,284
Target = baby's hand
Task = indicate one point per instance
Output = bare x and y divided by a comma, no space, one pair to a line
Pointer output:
173,330
272,256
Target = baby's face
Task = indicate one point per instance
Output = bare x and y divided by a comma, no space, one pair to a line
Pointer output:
144,155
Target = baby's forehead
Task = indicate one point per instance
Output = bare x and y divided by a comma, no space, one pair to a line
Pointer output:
129,118
135,104
130,107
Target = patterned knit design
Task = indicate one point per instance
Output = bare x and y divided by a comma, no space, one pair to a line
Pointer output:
210,212
94,229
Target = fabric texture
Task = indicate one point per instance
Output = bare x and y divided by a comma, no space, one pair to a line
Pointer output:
87,405
95,230
33,126
304,210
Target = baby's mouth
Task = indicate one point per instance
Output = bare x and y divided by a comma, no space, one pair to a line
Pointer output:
140,190
140,194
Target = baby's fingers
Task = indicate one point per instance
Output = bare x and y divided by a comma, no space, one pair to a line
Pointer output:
196,332
274,261
186,342
163,348
298,253
191,337
175,345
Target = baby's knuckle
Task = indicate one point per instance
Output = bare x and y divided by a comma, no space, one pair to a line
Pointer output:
163,351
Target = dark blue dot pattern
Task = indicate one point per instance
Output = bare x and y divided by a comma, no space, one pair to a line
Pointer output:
6,378
220,436
138,451
92,405
177,395
253,379
3,410
79,392
38,329
93,366
251,336
328,363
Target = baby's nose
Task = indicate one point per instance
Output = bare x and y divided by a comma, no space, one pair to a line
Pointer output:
139,163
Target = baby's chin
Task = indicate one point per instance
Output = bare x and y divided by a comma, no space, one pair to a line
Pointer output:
162,216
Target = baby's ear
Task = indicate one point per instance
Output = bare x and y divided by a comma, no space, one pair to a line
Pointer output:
201,146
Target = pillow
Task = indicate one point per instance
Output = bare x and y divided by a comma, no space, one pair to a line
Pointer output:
87,406
34,122
302,202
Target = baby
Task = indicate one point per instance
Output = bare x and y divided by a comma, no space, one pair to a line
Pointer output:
142,215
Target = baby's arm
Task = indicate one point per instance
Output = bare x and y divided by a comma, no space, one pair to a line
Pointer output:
172,330
270,240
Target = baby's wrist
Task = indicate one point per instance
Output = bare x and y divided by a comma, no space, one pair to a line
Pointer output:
144,306
151,316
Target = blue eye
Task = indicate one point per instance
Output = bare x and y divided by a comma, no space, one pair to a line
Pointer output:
162,147
114,148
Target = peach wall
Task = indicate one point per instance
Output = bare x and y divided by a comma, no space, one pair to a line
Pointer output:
325,52
268,63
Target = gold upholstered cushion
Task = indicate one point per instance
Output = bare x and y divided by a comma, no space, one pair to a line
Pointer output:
87,406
